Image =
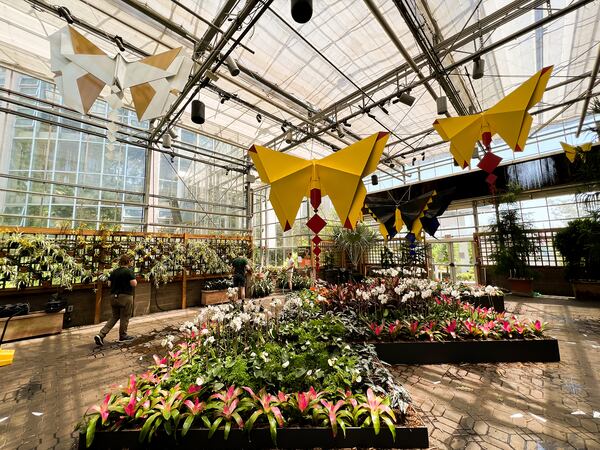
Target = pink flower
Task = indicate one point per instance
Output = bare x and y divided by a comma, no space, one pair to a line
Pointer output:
377,329
103,408
194,388
414,326
196,407
538,325
130,408
451,328
131,387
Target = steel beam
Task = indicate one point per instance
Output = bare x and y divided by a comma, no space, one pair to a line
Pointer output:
589,91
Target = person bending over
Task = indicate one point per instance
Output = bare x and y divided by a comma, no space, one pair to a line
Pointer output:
121,281
240,269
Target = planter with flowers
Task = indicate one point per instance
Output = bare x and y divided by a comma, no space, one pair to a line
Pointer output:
246,376
217,291
418,321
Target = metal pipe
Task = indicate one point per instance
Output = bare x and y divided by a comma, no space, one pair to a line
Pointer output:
589,91
392,35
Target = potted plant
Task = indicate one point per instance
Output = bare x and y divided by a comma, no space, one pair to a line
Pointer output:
512,250
215,291
579,246
354,242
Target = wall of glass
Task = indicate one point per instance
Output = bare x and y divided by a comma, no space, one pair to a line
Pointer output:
58,172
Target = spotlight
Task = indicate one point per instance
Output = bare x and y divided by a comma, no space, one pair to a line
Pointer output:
120,43
405,98
383,109
423,156
234,70
283,129
374,180
224,98
172,133
368,113
64,13
301,10
347,123
392,165
173,157
340,131
258,118
198,112
166,141
414,161
289,137
227,171
478,68
442,105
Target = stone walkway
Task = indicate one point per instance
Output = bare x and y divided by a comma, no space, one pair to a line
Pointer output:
53,380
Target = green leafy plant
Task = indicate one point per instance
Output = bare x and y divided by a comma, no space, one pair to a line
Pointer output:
579,244
354,242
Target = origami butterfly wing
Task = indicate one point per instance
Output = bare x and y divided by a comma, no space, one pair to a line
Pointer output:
289,177
463,133
571,151
340,176
156,81
413,210
81,68
510,117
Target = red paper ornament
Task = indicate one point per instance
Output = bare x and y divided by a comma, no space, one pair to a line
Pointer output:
316,224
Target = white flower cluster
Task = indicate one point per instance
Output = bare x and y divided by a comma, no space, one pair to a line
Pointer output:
168,341
231,293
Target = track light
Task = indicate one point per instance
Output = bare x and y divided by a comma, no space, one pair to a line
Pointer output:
289,137
414,161
258,118
172,157
374,180
383,109
301,10
347,123
172,133
423,156
167,141
198,112
368,113
392,165
478,68
442,105
405,98
120,43
234,70
64,13
283,129
340,131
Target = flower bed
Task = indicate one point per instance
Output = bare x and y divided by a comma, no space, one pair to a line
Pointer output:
244,369
391,309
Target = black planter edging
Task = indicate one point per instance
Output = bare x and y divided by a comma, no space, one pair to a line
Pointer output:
473,351
495,301
416,437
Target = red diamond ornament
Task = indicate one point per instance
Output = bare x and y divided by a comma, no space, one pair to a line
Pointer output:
316,224
317,251
489,162
491,178
317,240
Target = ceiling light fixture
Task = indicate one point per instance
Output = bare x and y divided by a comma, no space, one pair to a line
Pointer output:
442,105
289,137
258,118
301,10
347,123
405,98
478,68
198,112
423,156
166,141
368,113
374,180
414,161
340,131
234,70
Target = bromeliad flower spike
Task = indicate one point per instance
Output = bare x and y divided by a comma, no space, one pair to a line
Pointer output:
509,118
338,176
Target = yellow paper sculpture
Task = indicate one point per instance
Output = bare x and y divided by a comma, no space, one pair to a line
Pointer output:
338,175
6,357
82,70
571,151
509,118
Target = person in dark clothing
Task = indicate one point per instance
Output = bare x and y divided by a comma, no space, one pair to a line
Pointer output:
240,269
121,281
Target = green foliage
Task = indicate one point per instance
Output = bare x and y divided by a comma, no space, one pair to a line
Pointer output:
513,246
354,242
579,244
262,287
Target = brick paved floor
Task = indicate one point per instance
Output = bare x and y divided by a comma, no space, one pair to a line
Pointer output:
54,379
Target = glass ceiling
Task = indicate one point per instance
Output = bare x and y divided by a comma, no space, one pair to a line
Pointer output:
354,52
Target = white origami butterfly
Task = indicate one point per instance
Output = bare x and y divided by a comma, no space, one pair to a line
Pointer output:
82,70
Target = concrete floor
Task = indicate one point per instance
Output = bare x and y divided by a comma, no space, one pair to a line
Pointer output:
53,380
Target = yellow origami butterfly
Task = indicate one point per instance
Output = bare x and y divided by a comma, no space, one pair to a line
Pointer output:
571,151
338,175
508,118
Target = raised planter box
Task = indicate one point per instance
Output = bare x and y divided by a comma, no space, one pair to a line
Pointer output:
293,438
586,290
213,297
33,325
450,352
494,301
522,287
